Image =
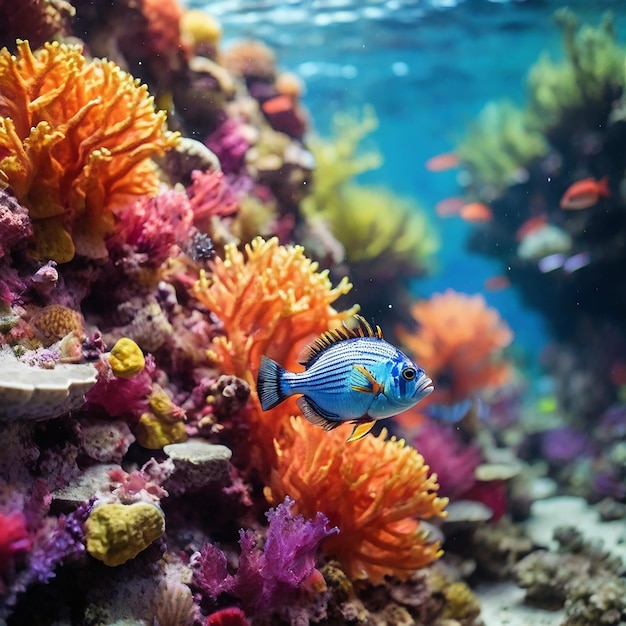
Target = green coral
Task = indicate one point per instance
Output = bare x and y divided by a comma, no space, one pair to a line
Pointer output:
592,74
373,224
499,144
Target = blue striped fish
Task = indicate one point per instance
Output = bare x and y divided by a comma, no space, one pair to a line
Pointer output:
351,375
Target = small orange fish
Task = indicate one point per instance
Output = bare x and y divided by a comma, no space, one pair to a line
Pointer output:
277,104
449,206
442,162
497,283
530,226
585,193
476,212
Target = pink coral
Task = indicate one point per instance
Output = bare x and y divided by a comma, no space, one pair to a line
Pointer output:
123,396
210,195
451,460
14,539
151,226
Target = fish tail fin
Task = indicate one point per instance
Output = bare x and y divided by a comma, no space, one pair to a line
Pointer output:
269,383
603,187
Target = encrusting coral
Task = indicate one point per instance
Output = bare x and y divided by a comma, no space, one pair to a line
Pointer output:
375,491
459,342
116,533
76,138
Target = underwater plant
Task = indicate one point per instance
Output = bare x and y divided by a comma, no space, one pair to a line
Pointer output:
498,145
374,490
577,92
396,238
76,137
459,341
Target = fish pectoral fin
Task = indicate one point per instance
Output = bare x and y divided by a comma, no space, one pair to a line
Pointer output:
362,380
360,430
312,413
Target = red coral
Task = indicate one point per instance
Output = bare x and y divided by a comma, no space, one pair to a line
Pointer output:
14,538
231,616
210,196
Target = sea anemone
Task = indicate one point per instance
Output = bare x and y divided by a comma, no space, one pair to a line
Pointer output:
374,490
76,138
459,342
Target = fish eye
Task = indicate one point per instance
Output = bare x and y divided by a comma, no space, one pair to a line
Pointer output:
408,373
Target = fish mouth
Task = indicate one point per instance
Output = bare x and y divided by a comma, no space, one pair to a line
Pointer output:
424,387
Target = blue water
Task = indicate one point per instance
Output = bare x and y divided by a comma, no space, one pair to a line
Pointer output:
427,67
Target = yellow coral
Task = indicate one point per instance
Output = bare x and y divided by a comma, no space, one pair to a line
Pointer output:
375,490
271,300
79,137
116,533
154,433
126,358
459,342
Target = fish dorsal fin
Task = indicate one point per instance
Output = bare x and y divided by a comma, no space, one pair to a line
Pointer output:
331,337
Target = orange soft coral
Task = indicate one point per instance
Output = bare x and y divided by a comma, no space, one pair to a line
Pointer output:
76,139
271,300
375,490
459,342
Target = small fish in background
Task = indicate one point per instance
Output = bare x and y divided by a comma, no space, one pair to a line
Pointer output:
476,212
585,194
569,264
352,375
449,206
467,413
442,162
497,283
531,225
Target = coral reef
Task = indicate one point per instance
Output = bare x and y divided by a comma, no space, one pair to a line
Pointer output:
374,491
72,154
460,342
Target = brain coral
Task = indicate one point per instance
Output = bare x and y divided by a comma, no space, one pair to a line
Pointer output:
76,138
375,490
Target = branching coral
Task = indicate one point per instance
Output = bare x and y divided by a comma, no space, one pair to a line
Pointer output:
459,342
271,300
77,138
375,491
265,580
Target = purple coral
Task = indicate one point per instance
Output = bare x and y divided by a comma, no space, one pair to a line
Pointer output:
15,225
229,145
265,579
